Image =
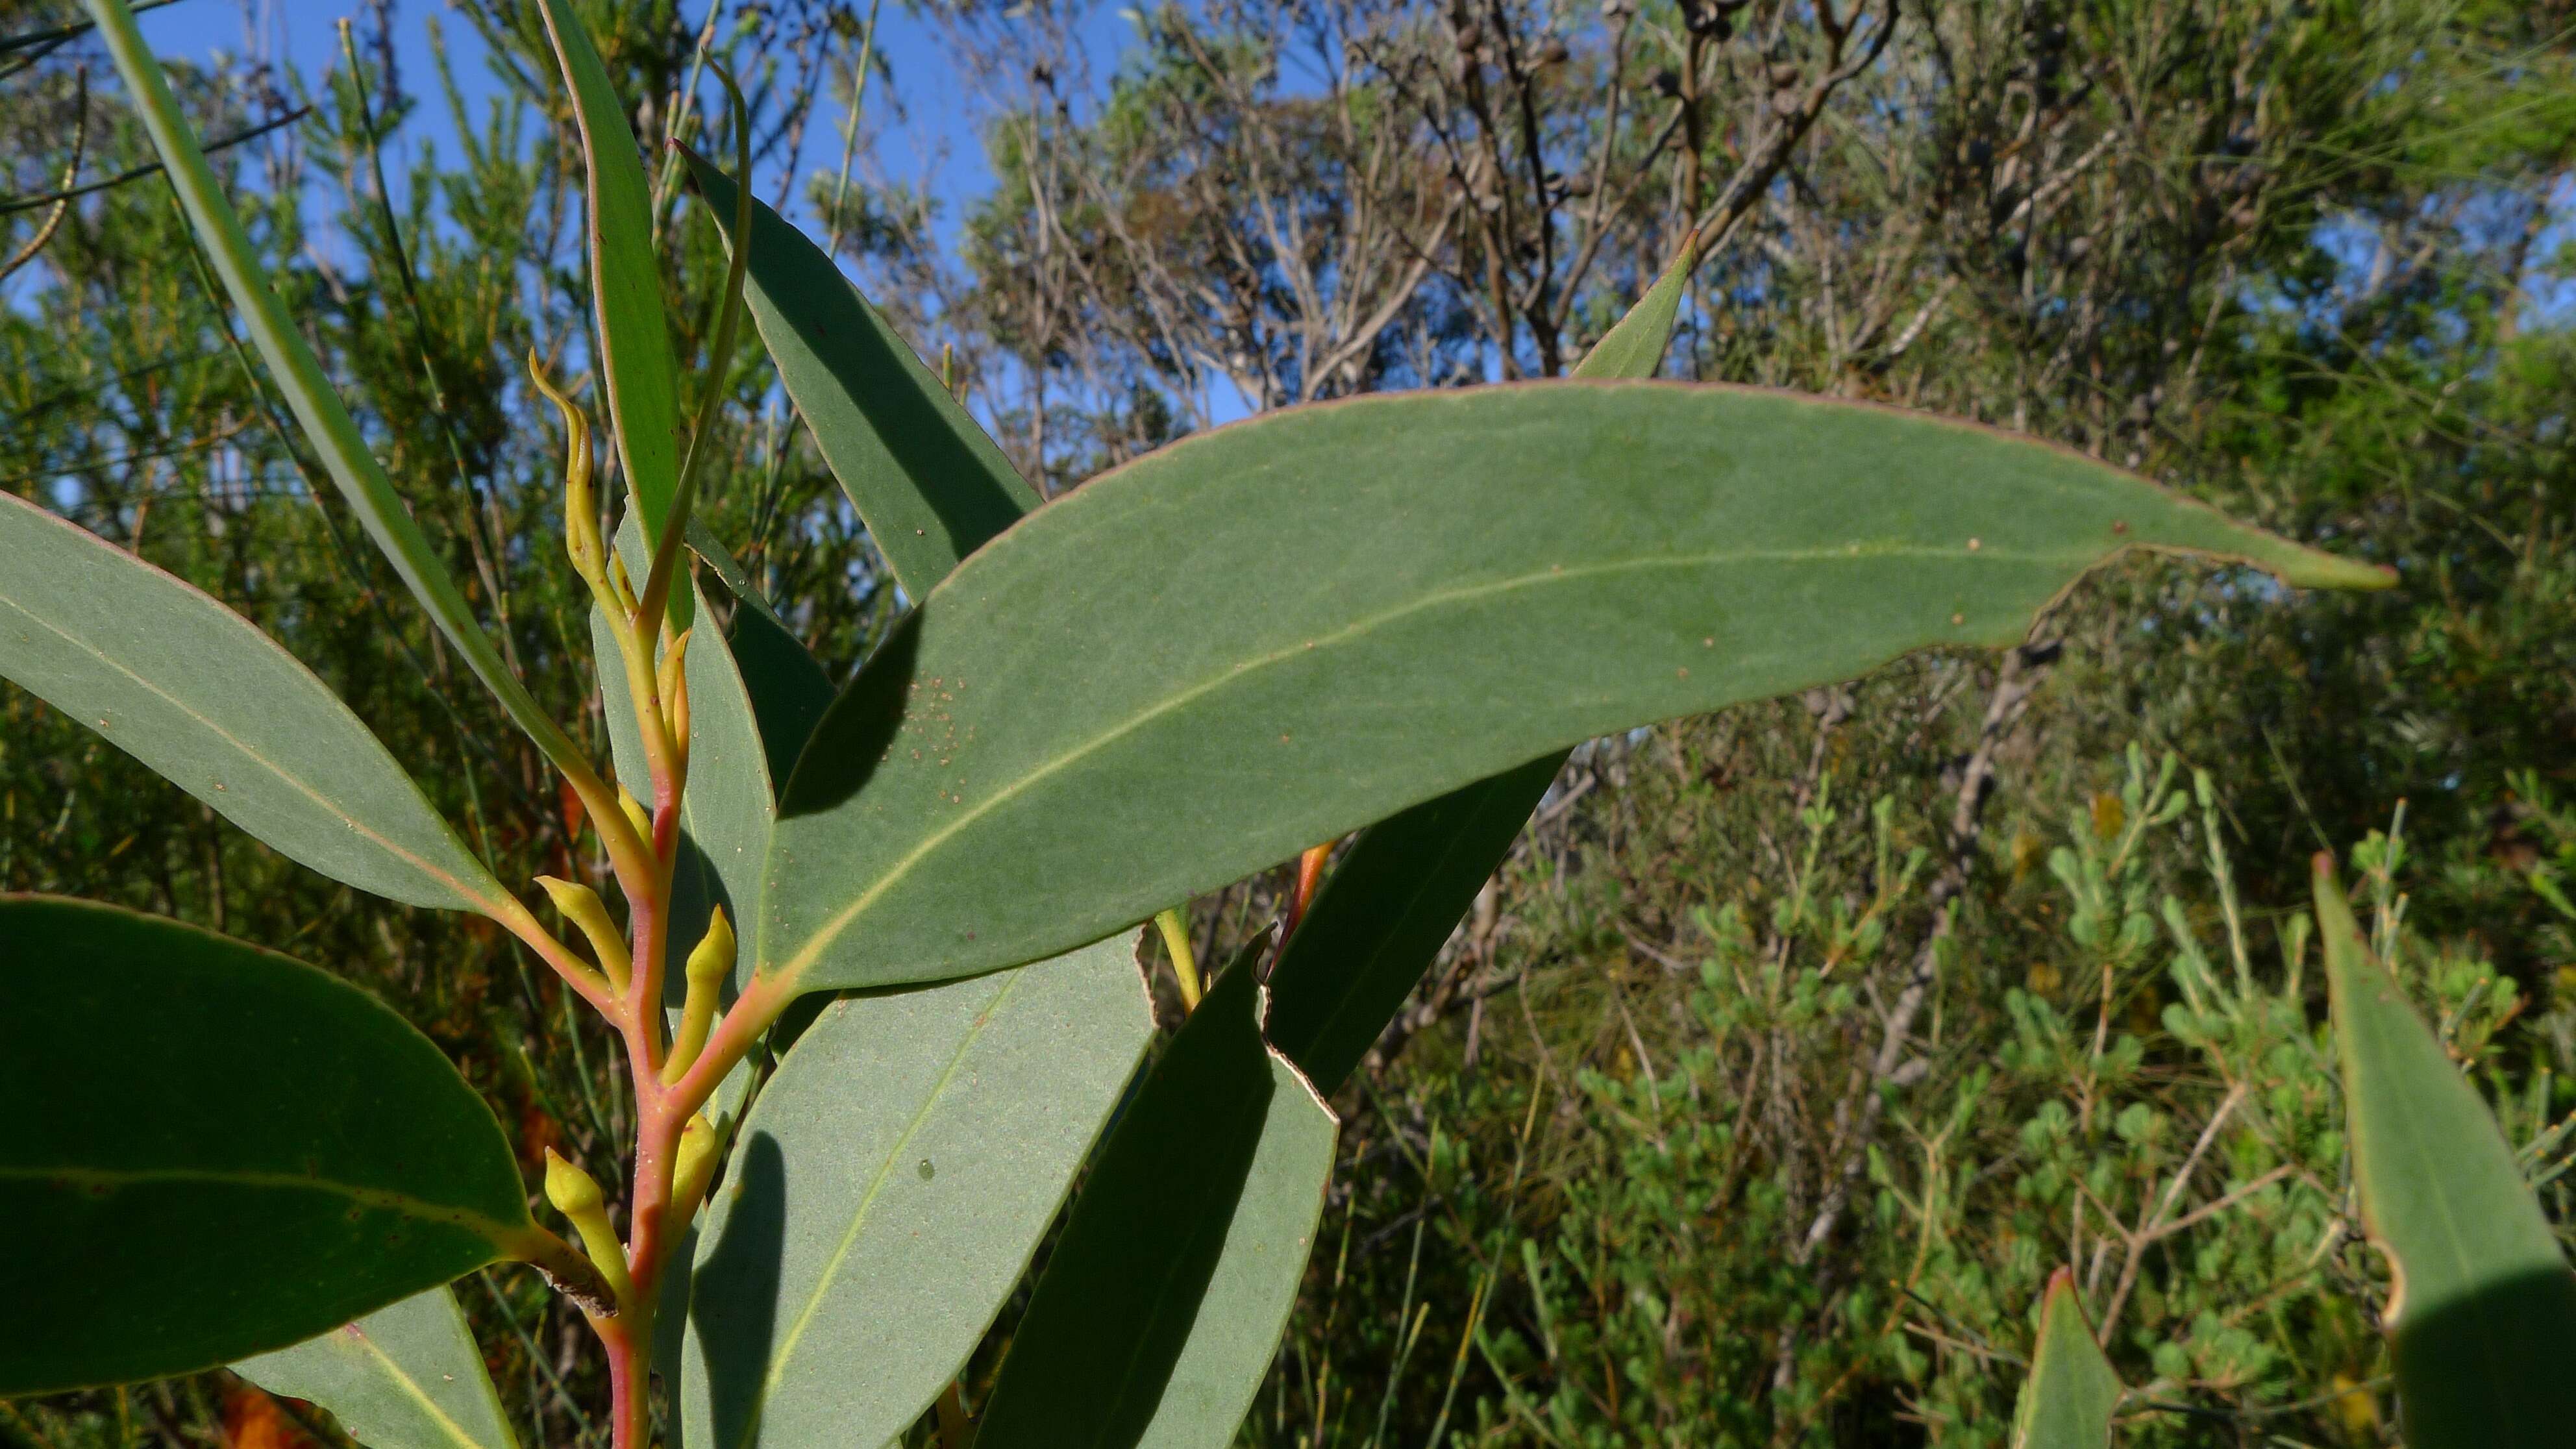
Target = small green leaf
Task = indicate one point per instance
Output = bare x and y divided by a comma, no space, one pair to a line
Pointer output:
2482,1306
299,376
1398,892
213,705
1379,600
213,1152
2067,1401
887,1190
1162,1303
404,1377
928,482
626,284
1634,347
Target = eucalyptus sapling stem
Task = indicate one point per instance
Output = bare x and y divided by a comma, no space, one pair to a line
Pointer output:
1185,961
1310,874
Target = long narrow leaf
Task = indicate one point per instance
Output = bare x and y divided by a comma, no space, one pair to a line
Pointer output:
2482,1306
641,380
213,705
928,482
404,1377
214,1152
1161,1307
309,394
1384,599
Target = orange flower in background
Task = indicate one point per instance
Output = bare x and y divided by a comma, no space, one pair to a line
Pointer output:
253,1420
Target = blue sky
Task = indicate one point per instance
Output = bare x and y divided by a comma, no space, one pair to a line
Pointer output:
920,131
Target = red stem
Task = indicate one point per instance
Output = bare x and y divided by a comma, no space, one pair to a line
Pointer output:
630,1376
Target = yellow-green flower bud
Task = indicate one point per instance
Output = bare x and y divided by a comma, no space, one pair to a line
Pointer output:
709,964
577,1197
582,906
581,502
692,1168
635,816
674,685
622,588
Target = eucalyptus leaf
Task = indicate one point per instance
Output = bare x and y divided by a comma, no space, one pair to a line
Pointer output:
926,479
216,707
1396,895
2068,1399
2482,1305
214,1152
626,283
1634,347
403,1377
1450,584
887,1189
1163,1301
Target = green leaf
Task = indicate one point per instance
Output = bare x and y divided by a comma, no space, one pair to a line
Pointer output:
404,1377
1163,1301
1384,912
1321,616
2482,1306
200,695
2066,1402
214,1151
626,284
309,395
928,482
1634,346
889,1185
1398,892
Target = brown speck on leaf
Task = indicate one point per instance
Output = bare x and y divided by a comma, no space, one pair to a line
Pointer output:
1975,543
220,785
1283,739
1681,674
1958,618
1709,643
2119,525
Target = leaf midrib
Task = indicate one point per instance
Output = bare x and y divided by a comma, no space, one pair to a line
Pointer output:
500,1234
867,1202
412,1386
823,937
465,891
